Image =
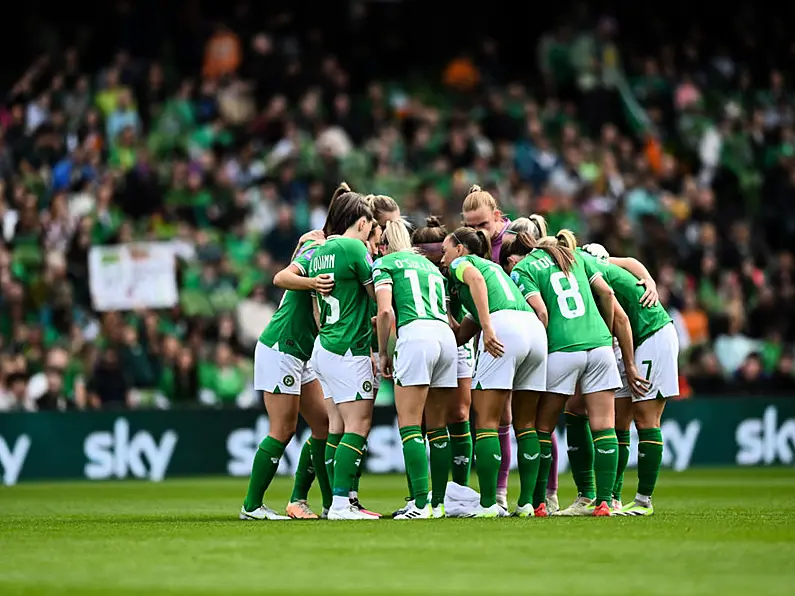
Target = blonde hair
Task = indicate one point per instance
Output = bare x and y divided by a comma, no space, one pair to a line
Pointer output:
381,204
477,198
540,225
567,239
396,236
535,225
562,255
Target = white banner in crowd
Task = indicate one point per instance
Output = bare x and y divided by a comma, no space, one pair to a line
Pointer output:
131,276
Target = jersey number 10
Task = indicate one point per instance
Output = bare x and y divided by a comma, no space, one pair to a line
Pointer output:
436,295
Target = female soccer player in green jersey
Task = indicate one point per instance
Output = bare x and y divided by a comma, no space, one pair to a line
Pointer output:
512,357
305,472
656,355
342,354
555,281
578,432
428,241
289,386
411,296
536,226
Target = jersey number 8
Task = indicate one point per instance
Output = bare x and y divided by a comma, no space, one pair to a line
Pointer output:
568,297
334,306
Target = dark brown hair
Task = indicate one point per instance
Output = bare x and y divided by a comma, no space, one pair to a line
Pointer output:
521,244
475,241
428,240
345,209
556,248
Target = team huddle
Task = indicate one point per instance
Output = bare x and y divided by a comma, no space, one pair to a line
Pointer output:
497,318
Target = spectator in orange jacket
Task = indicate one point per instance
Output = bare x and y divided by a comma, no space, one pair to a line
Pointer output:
222,54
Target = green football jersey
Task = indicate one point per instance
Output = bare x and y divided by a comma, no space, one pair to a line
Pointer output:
345,313
292,328
418,292
502,294
644,321
455,308
575,323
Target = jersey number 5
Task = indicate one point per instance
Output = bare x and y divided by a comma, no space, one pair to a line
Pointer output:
570,300
333,314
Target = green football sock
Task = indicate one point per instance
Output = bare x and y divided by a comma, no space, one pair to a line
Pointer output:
358,477
488,457
416,460
439,441
461,451
304,474
605,463
623,458
346,462
580,451
650,452
319,463
266,462
528,458
545,463
331,452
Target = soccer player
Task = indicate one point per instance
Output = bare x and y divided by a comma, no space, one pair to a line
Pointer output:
424,363
342,355
578,432
511,357
289,385
554,281
536,226
428,241
481,212
656,355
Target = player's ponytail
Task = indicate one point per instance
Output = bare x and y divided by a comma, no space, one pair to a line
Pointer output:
474,241
521,245
539,225
396,237
345,210
567,239
535,225
563,256
428,240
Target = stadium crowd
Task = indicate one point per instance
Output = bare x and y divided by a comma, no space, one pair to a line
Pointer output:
684,158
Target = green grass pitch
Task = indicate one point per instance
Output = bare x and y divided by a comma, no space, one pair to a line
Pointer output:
716,532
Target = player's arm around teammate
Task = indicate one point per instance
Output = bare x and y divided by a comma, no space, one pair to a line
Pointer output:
341,355
410,294
656,355
289,386
512,355
580,352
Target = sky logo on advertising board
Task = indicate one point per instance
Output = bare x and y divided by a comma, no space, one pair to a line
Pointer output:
13,459
764,440
241,446
117,454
